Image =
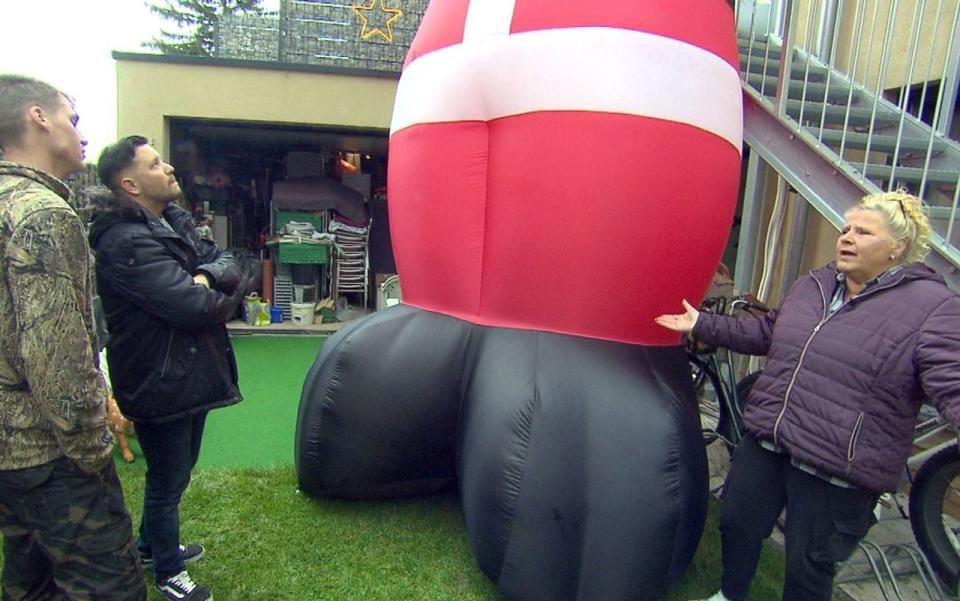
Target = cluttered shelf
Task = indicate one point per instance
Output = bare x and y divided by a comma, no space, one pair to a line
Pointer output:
318,260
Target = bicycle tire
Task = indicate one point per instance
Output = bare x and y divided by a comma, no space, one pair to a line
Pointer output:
729,427
935,486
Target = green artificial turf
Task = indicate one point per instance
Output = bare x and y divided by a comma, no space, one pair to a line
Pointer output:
259,431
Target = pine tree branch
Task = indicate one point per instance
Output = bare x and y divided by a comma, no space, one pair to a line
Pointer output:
202,16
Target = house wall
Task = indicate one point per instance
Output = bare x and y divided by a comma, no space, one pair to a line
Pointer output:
150,92
818,244
932,43
862,26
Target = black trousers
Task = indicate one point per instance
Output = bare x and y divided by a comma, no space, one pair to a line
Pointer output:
824,523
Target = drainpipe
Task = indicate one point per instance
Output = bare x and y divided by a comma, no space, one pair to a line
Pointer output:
950,81
788,17
828,27
281,32
749,223
799,210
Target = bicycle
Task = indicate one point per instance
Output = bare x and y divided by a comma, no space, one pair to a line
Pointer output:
721,407
934,500
930,487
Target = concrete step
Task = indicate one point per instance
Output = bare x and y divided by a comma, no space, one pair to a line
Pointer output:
745,45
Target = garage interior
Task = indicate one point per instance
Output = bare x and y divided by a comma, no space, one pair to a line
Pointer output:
303,207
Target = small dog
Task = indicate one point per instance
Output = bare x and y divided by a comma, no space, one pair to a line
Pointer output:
121,428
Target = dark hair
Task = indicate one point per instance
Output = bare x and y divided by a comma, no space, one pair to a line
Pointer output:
117,157
17,93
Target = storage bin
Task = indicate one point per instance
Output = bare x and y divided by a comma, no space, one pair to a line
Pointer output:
280,218
291,252
302,313
276,315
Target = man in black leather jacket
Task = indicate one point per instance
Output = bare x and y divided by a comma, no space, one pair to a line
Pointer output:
167,295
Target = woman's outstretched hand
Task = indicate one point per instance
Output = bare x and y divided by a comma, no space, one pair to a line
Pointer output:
682,322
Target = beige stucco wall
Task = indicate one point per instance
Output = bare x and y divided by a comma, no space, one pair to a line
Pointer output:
818,244
150,92
870,19
820,241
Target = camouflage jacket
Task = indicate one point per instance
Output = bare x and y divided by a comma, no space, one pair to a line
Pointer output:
52,396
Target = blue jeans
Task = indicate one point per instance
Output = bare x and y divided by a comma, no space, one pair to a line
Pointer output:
171,450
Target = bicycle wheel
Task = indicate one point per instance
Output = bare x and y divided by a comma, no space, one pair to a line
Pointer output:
729,426
935,513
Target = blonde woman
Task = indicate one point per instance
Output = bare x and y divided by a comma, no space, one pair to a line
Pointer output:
852,350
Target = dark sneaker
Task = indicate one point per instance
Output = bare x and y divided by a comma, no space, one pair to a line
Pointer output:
191,553
182,588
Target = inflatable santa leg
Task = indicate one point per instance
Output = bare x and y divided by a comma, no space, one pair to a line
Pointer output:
582,469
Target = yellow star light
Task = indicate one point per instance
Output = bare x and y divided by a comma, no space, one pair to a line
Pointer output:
381,17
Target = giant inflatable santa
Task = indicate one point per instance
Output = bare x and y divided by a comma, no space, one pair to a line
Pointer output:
560,173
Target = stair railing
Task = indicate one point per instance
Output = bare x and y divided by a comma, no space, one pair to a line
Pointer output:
880,112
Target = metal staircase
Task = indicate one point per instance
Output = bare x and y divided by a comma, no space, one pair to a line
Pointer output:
833,136
894,143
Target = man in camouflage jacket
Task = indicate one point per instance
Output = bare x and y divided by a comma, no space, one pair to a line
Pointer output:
66,531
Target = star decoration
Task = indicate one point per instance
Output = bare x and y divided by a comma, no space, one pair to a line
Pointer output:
376,21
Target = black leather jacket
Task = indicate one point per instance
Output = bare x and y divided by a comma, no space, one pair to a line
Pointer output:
169,352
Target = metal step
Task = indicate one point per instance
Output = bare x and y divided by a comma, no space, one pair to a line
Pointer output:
815,174
814,90
798,72
829,186
836,114
878,143
758,47
911,175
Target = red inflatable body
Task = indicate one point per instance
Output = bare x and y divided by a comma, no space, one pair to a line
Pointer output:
566,167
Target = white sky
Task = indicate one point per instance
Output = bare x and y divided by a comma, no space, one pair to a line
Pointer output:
69,43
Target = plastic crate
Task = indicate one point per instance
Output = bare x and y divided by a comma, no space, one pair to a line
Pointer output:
281,218
290,252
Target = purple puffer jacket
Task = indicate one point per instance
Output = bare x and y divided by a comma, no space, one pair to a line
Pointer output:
841,393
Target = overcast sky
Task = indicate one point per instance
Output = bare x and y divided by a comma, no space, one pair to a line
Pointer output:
69,43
